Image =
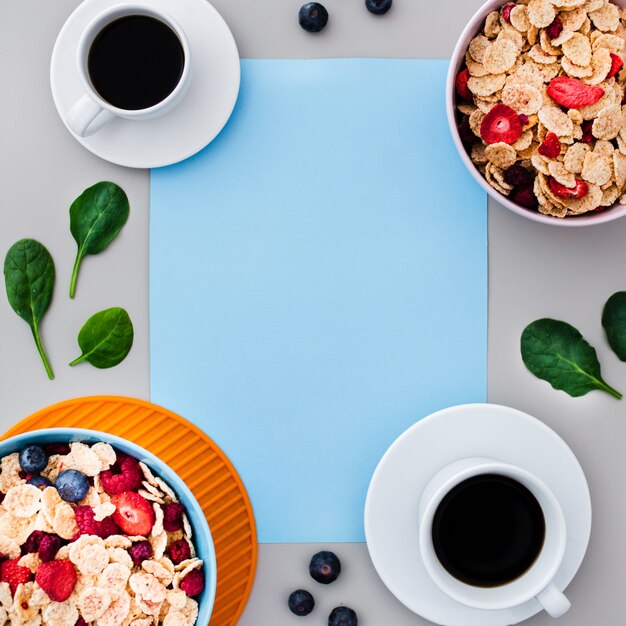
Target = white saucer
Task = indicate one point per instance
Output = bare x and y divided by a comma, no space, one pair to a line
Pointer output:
193,124
484,430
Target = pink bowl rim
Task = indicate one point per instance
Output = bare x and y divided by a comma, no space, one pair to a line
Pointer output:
458,57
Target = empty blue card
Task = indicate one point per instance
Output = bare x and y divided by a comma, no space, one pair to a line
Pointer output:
319,282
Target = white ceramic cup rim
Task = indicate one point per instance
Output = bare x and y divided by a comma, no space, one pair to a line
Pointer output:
471,30
103,19
519,590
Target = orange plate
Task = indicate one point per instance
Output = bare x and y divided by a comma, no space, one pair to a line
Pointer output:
197,460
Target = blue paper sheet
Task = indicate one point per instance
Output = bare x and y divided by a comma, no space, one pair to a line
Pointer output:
319,282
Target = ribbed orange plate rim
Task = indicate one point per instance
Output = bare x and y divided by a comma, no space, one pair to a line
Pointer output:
214,482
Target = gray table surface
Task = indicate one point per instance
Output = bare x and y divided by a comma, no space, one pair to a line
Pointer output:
534,271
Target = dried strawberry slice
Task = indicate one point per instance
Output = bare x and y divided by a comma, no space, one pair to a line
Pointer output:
461,85
579,191
551,146
616,65
506,12
573,93
501,124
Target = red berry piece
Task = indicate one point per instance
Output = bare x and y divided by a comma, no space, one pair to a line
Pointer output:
81,622
555,29
179,551
461,85
57,448
173,516
616,65
587,128
32,542
576,193
14,574
193,583
57,579
523,118
140,552
49,546
524,196
506,12
466,133
551,146
573,93
87,525
134,514
501,124
518,176
125,475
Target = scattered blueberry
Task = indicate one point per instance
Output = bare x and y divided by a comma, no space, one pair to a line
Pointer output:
41,482
342,616
72,485
313,17
378,7
33,459
301,602
325,567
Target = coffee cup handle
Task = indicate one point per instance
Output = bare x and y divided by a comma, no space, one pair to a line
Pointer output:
87,117
553,601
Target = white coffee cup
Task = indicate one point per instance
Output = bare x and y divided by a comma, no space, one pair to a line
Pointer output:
91,112
537,581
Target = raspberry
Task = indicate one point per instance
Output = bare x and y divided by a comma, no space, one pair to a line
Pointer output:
573,93
125,475
81,622
587,128
193,583
555,29
523,118
141,551
88,526
133,513
57,448
173,516
524,196
14,574
48,548
501,124
518,176
551,146
506,12
579,191
179,551
616,65
461,85
57,579
32,543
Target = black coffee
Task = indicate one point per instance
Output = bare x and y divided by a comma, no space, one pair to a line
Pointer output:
488,530
135,62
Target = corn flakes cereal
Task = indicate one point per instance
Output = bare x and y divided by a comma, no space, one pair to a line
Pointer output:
596,169
93,602
60,614
541,13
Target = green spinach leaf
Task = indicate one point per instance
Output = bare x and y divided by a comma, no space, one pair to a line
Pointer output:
106,338
29,278
614,323
556,352
96,218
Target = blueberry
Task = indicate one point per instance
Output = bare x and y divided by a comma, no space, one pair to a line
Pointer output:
33,459
378,7
301,602
342,616
41,482
72,485
325,567
313,17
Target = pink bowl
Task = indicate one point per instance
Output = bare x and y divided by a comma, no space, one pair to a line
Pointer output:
458,58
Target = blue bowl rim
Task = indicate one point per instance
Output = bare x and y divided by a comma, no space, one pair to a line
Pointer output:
196,515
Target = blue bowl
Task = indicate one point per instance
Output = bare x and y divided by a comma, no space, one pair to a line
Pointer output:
201,534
